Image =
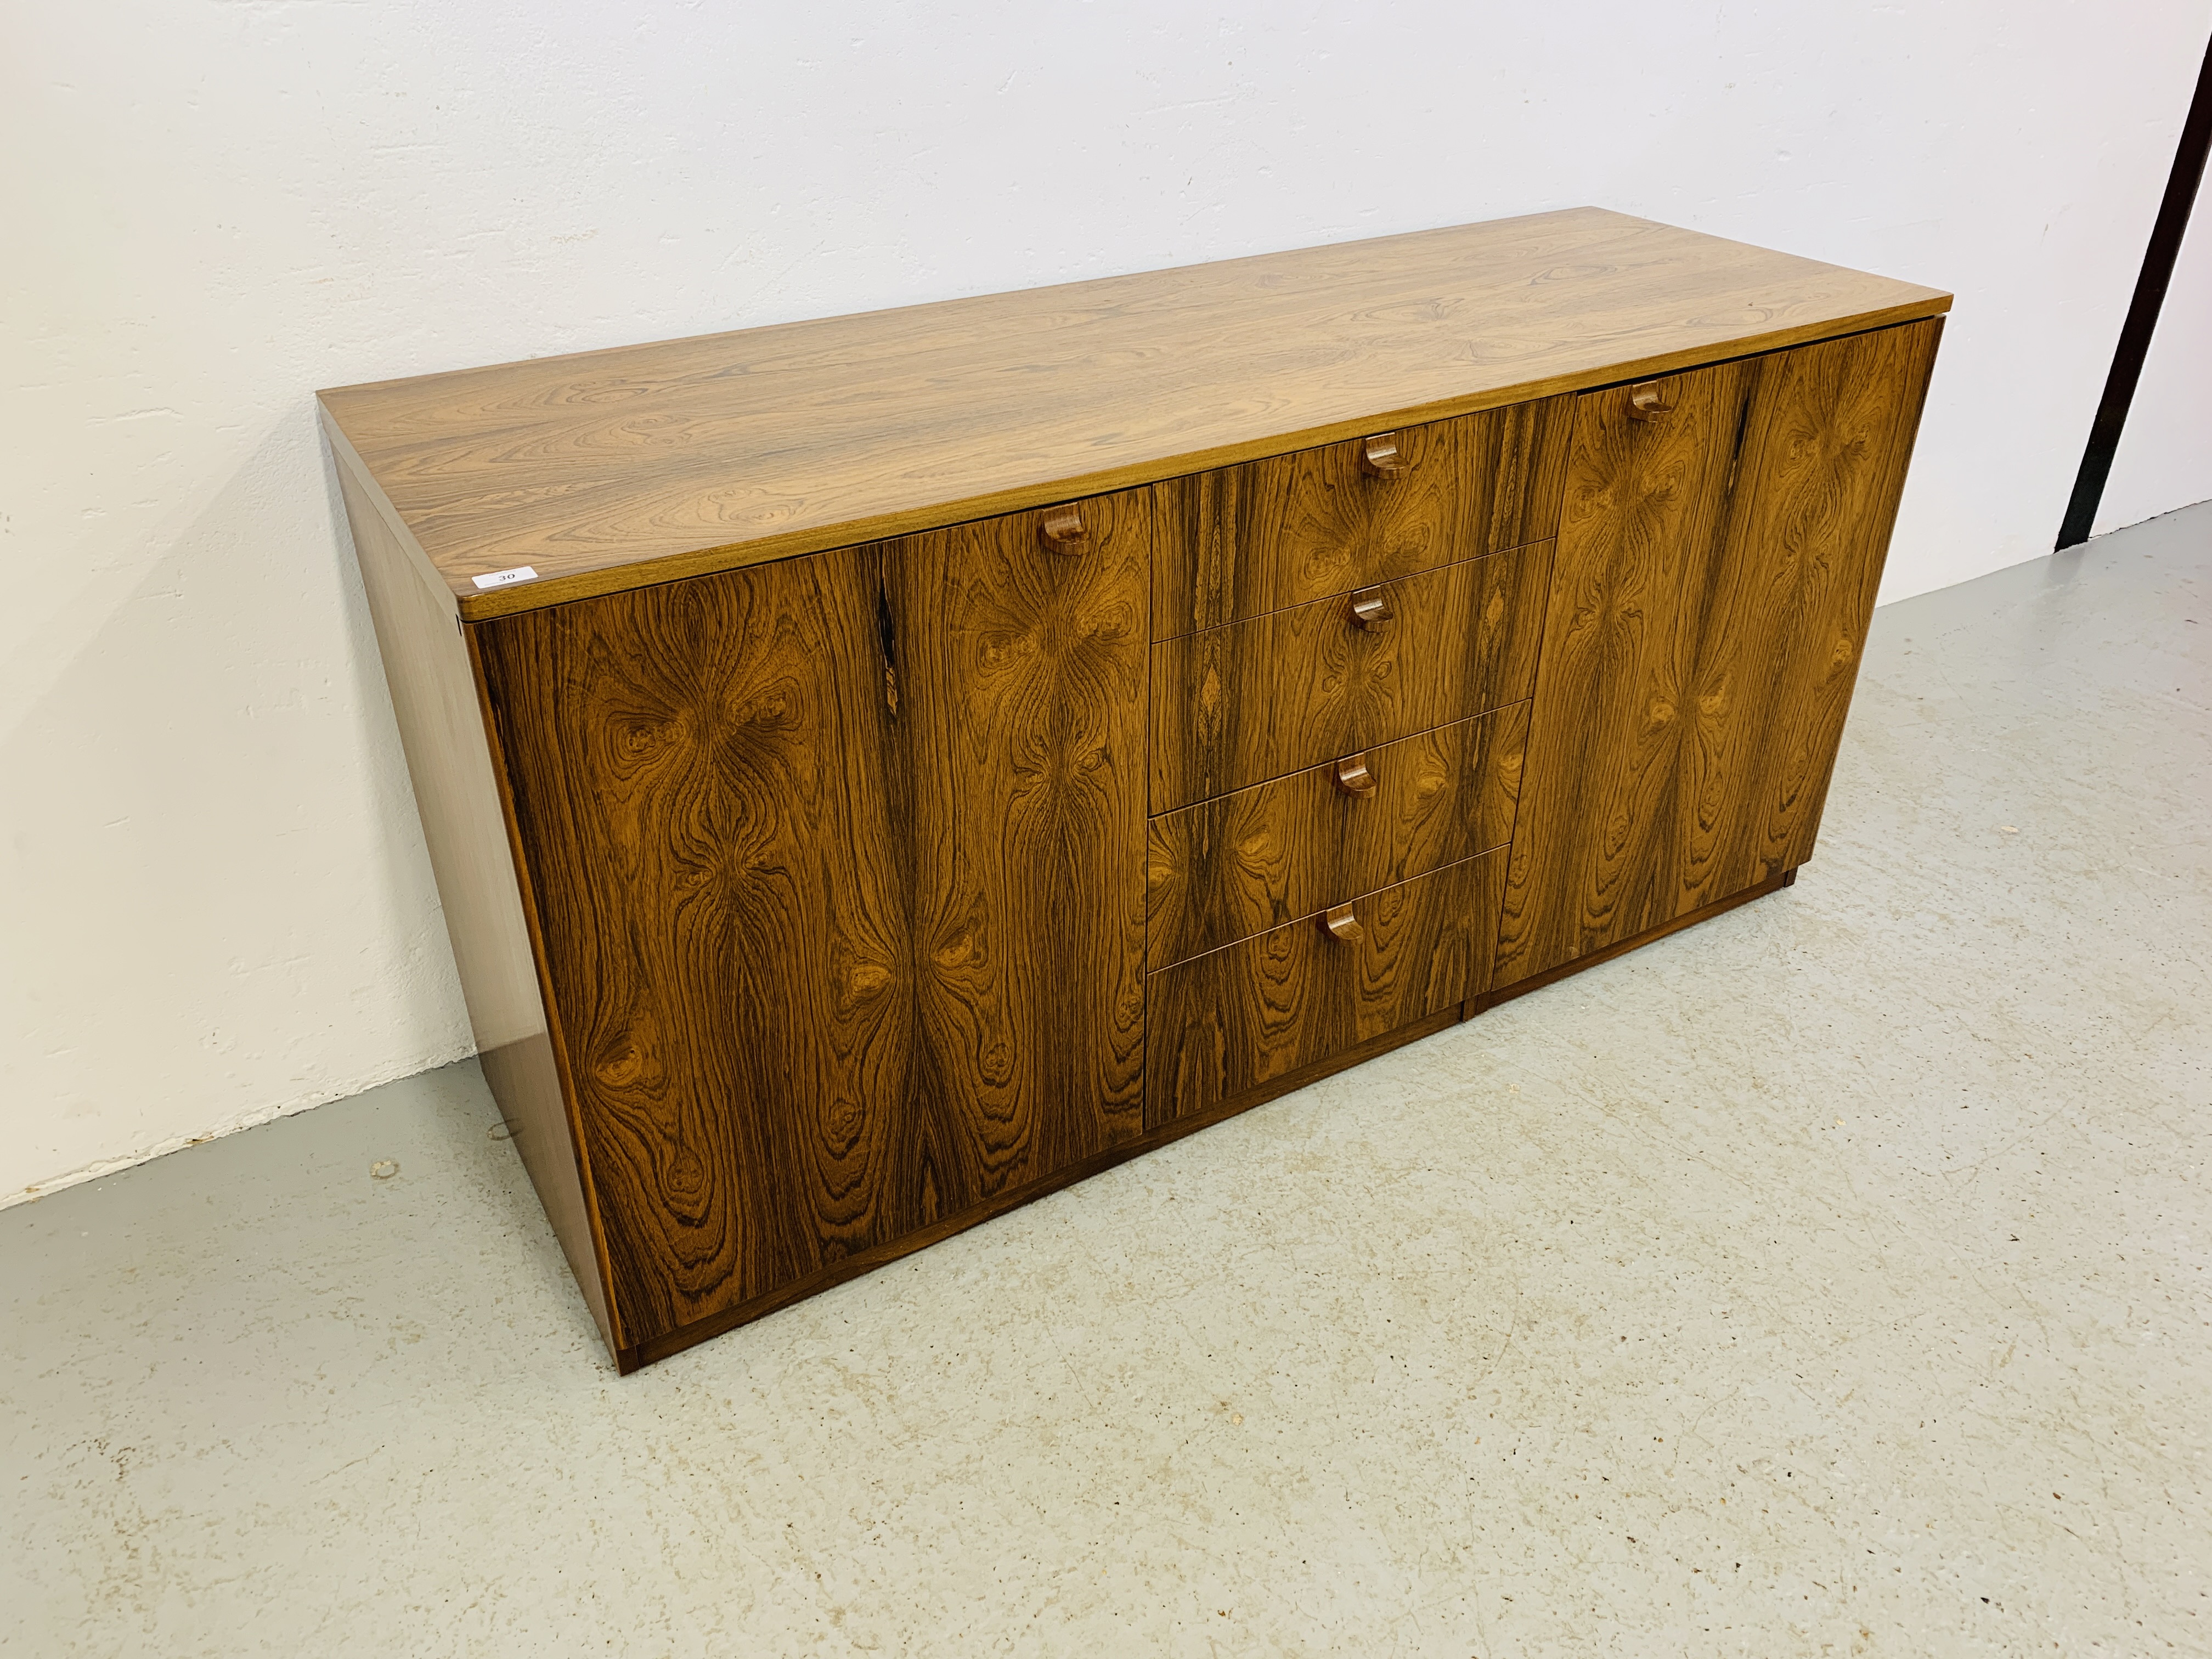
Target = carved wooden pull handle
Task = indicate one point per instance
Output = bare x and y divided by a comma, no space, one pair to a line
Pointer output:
1061,531
1341,924
1648,400
1371,608
1379,456
1354,776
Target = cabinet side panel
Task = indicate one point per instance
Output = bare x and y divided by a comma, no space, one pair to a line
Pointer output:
441,727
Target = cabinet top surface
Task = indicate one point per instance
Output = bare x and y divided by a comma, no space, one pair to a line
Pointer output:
608,470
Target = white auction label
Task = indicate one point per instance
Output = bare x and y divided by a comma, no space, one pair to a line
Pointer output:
521,573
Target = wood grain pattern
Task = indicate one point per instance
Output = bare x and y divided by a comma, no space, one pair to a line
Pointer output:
852,1266
701,776
1230,1021
434,702
1237,866
1242,541
840,873
1238,705
1715,572
804,905
1021,688
368,500
616,469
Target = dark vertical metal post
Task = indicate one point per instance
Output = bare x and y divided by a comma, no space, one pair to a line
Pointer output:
2142,312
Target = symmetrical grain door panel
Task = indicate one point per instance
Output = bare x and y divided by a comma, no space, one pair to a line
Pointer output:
1226,869
1232,1020
1718,561
1235,706
701,777
840,868
1242,541
1020,680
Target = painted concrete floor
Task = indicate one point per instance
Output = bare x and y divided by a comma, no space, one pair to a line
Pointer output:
1828,1279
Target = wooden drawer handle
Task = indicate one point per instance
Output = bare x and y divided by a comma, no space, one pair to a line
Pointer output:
1371,608
1648,400
1341,924
1061,531
1354,776
1379,456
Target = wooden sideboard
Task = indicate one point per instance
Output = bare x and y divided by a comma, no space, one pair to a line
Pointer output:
880,770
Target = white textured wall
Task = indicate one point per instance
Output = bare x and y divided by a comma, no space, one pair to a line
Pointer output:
215,905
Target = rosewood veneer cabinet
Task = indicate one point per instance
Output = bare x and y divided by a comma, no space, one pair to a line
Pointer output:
879,770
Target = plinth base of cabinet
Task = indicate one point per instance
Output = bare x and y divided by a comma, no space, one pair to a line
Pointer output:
1521,988
882,1255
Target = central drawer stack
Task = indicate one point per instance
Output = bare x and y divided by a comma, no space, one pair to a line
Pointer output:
1344,640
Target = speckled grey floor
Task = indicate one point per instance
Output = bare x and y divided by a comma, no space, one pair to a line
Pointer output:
1828,1279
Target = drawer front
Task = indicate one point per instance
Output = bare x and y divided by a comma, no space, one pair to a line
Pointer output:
1242,541
1236,705
1228,1021
1226,869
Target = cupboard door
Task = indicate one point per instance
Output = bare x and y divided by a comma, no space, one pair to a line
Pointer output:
702,780
1018,666
1715,573
838,868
